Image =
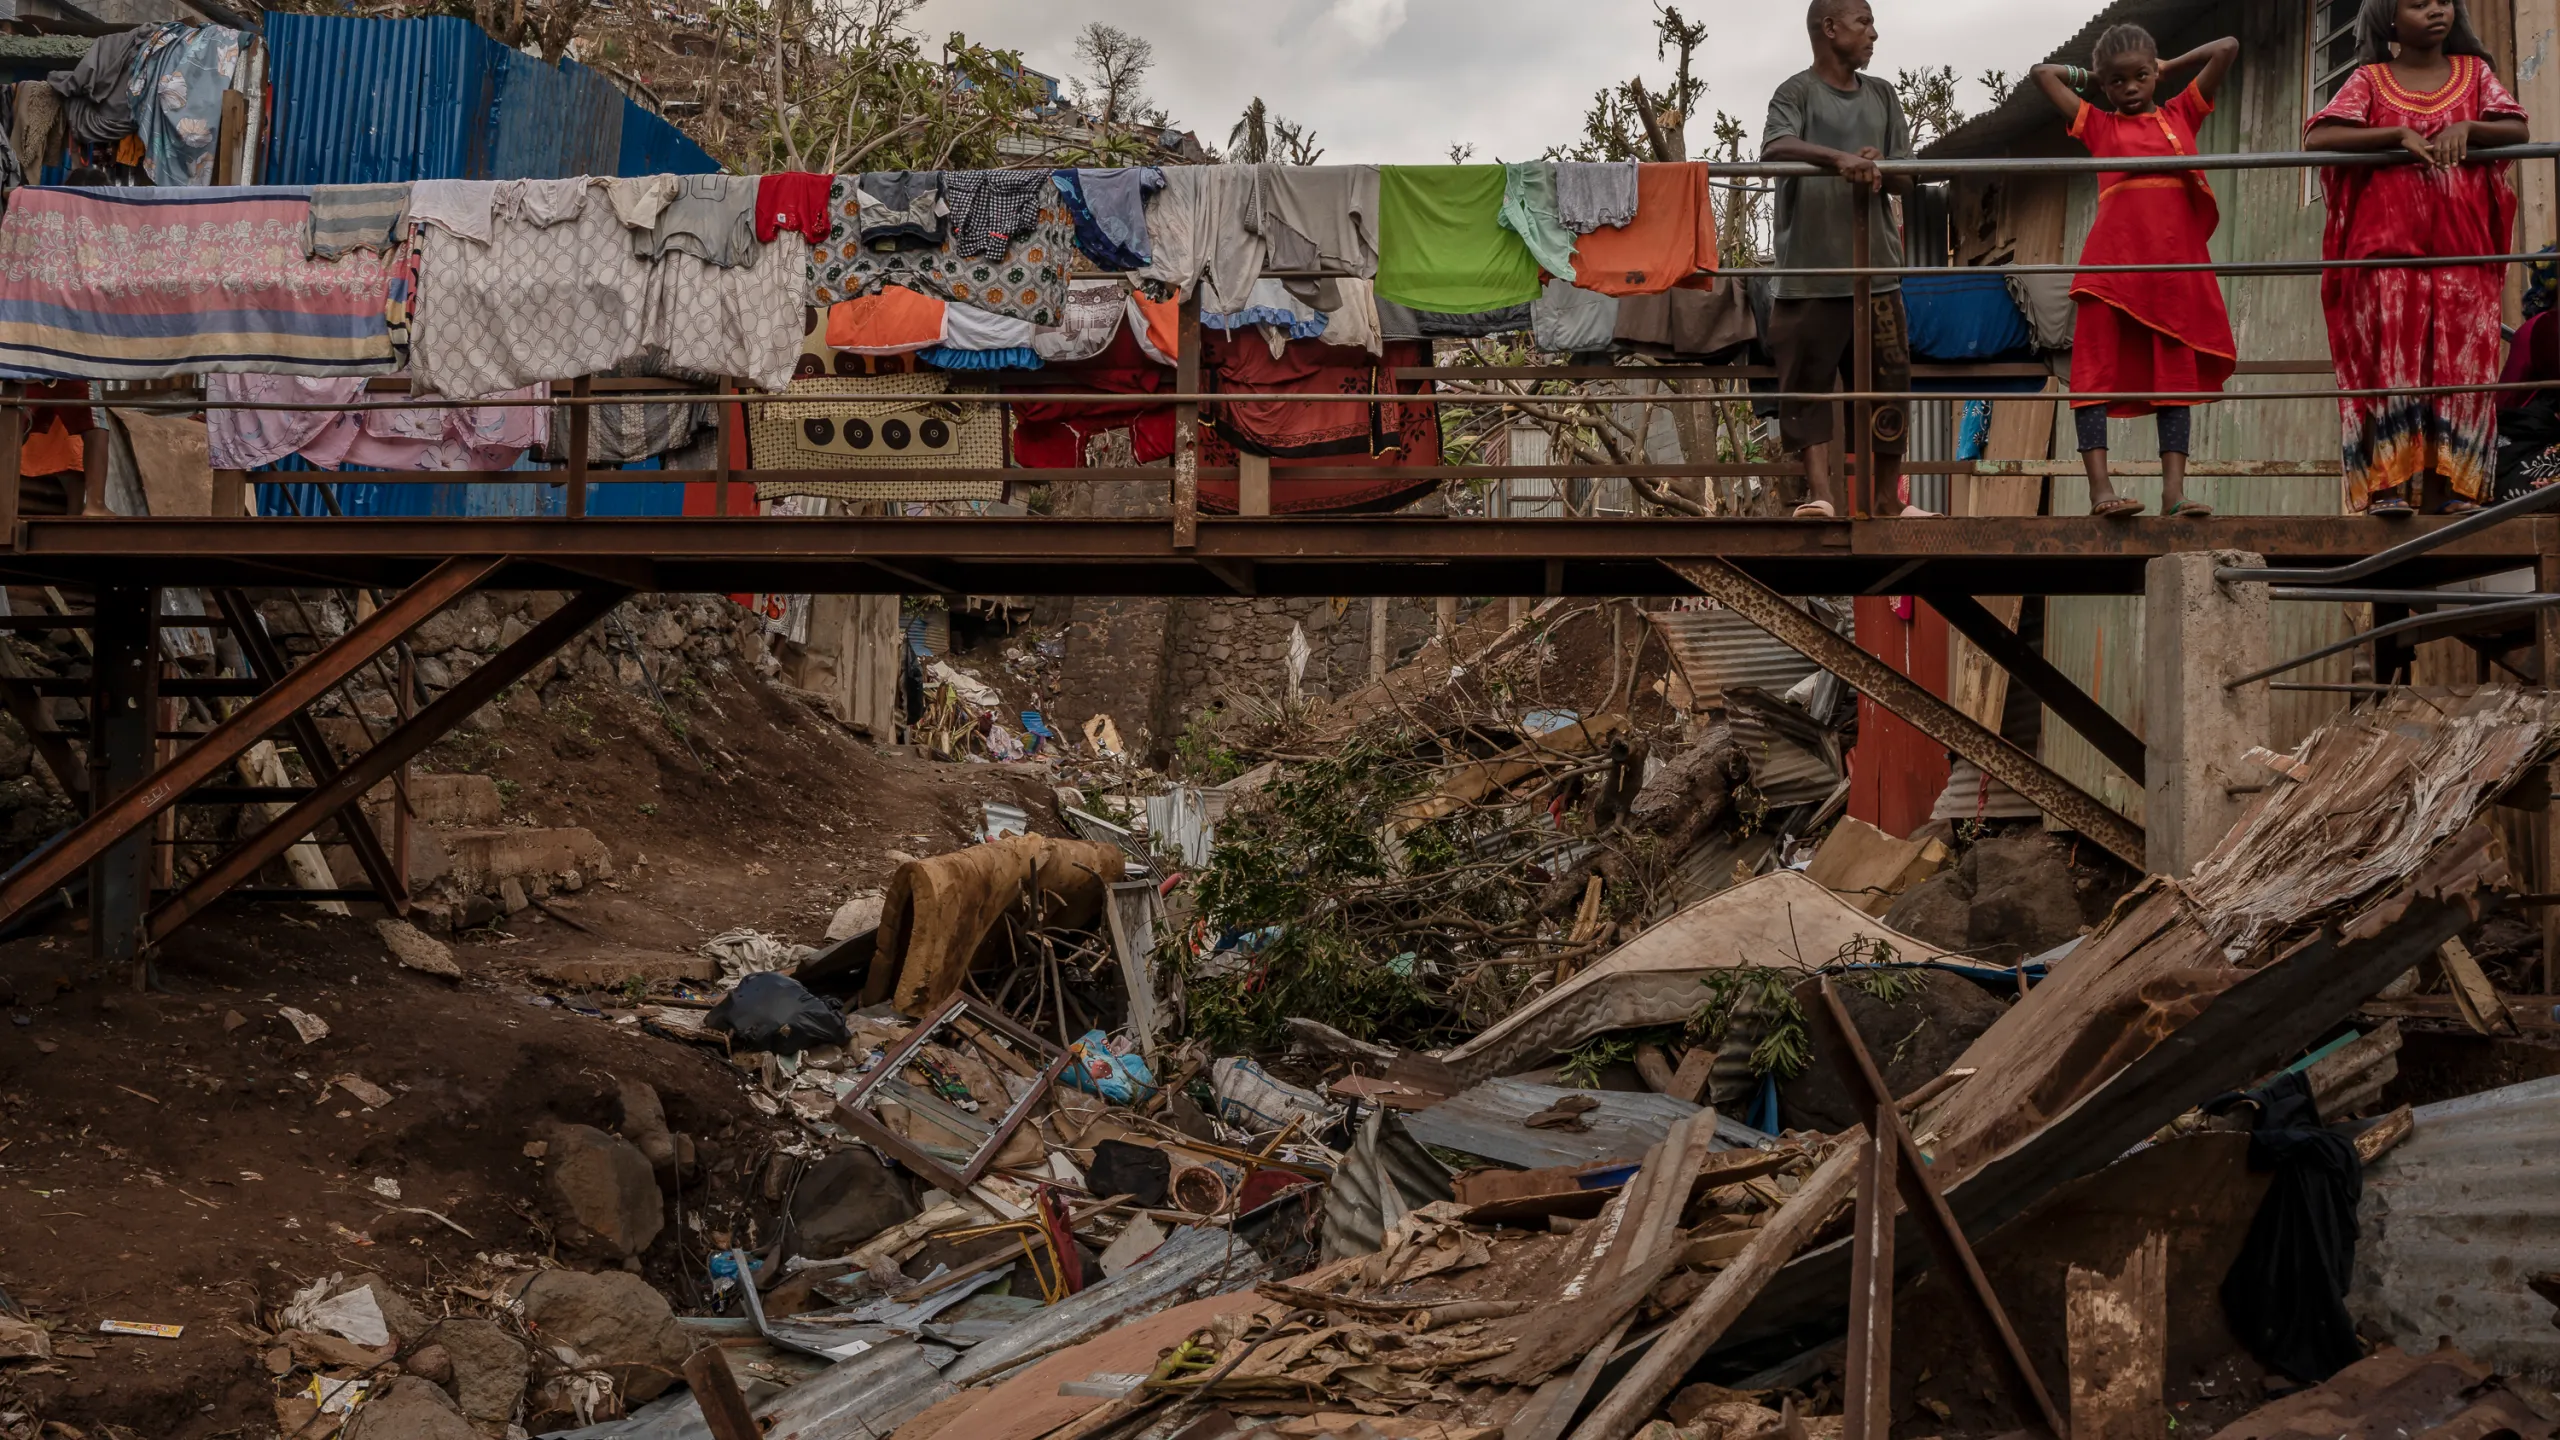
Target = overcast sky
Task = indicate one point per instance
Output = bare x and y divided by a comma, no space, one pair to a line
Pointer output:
1400,81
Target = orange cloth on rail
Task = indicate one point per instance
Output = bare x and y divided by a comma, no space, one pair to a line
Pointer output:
1673,237
2150,332
51,449
893,322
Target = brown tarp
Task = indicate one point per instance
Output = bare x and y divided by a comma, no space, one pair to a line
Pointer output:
944,915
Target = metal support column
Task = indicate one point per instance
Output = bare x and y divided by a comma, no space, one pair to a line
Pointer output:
2547,632
1862,325
1186,428
124,708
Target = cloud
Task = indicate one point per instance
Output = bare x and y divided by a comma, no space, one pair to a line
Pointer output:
1367,22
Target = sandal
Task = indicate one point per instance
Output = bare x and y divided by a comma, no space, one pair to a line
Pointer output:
1914,512
2193,510
1816,510
2390,505
2123,507
2459,507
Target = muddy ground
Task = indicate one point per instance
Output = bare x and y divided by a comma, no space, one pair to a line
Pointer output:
180,1156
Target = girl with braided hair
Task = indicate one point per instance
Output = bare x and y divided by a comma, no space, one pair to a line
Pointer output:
2151,333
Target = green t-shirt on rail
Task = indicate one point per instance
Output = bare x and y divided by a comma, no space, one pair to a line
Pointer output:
1441,246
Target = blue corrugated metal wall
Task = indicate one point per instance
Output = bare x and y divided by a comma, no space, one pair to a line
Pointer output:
356,101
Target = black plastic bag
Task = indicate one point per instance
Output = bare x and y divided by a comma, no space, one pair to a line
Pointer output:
772,1011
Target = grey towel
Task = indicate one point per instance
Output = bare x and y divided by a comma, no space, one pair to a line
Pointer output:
355,217
94,101
1596,197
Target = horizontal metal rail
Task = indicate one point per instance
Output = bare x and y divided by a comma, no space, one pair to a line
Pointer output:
2516,605
1458,400
2243,268
2388,597
2532,502
2128,165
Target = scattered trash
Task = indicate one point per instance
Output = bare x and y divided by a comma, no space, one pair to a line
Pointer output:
363,1091
742,953
309,1026
141,1327
1095,1067
1000,820
417,950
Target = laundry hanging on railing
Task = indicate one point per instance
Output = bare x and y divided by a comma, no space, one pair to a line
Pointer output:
144,284
481,439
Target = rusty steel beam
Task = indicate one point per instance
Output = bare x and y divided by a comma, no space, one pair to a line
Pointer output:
2025,664
267,664
385,759
120,816
1928,714
1954,1254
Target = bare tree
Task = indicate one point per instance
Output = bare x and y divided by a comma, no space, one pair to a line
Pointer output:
1116,66
1634,121
1262,136
1929,101
848,86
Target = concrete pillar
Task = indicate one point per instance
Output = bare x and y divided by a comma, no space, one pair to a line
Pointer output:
2199,634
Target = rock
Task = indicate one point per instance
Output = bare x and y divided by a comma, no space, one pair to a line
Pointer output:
511,896
846,1199
644,1123
489,1371
409,1408
611,1322
417,950
233,1020
1914,1041
431,1363
2009,897
858,914
1938,910
600,1192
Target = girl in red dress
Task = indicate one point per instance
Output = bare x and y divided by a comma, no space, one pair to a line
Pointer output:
2156,333
2425,88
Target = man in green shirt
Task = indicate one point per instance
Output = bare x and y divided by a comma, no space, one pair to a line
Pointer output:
1835,117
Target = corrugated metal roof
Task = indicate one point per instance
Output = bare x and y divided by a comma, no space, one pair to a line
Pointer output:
2027,109
1717,648
2457,1220
364,101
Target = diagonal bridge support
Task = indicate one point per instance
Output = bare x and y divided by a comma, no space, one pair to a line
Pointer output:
332,797
124,809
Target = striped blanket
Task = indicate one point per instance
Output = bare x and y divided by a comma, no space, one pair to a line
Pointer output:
140,283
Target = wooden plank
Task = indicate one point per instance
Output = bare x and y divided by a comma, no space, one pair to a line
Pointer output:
2117,1330
724,1408
1689,1082
229,158
1253,485
2022,433
1686,1341
2481,1008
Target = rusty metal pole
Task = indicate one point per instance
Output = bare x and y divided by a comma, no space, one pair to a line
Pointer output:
580,419
124,708
13,433
725,422
1862,326
1186,427
2546,531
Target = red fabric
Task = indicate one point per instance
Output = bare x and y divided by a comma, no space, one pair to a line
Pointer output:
2535,355
793,200
1390,434
2150,220
1672,239
1896,774
1053,437
703,497
2397,329
55,442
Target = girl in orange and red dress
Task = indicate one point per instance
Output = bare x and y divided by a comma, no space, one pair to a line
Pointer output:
2146,333
2425,88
